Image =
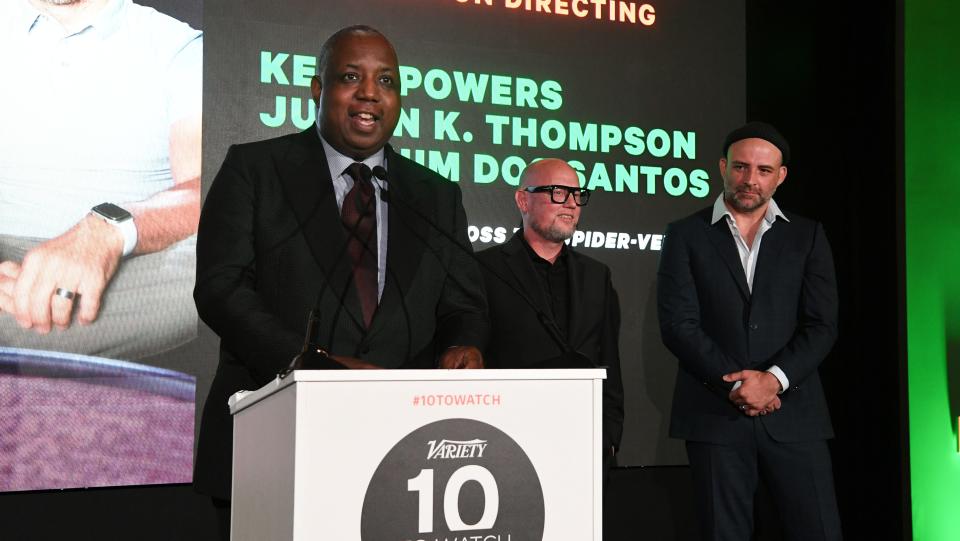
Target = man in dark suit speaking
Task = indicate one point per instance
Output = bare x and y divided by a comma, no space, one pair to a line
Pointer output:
332,220
551,306
747,300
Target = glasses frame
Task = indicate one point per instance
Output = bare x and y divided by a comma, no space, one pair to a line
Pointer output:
581,199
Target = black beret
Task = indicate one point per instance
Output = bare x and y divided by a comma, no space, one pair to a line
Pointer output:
760,130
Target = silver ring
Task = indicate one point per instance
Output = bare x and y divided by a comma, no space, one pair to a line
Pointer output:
743,407
65,293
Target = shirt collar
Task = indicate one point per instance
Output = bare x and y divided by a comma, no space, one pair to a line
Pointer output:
720,210
107,21
338,162
561,257
26,15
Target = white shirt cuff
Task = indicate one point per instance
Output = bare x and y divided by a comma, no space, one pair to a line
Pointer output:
781,377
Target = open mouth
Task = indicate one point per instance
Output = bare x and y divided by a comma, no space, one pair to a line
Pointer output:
364,120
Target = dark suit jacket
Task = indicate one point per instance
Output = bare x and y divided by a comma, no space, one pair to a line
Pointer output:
271,241
518,339
714,325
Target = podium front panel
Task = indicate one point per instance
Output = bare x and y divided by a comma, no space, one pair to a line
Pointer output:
506,455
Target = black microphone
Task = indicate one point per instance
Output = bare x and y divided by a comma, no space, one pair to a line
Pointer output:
380,173
570,357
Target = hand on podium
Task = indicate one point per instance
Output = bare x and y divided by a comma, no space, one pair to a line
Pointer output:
354,363
319,359
461,357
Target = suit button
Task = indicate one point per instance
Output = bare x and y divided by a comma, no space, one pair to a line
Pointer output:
754,326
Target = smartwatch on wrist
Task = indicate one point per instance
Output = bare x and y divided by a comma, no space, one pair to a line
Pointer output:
122,220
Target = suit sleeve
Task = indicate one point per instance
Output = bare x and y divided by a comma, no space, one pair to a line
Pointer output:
678,308
225,292
462,309
817,314
610,357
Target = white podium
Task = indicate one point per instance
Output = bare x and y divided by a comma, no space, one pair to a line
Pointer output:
419,455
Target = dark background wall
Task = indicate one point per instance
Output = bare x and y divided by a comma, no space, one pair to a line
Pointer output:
829,76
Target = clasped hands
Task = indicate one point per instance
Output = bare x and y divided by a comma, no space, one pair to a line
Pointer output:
81,261
757,393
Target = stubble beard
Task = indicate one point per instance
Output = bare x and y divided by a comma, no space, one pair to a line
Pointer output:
730,196
554,232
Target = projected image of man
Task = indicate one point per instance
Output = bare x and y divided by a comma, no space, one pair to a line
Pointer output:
99,177
550,305
747,300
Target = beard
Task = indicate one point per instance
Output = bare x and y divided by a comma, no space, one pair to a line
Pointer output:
554,232
745,205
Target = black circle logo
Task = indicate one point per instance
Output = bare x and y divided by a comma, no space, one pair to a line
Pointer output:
455,478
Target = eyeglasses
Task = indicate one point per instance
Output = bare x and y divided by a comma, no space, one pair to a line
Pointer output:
559,194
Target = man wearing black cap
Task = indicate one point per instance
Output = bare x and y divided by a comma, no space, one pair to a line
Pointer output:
747,300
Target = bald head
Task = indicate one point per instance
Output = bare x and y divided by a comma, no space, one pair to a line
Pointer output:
358,91
546,171
328,47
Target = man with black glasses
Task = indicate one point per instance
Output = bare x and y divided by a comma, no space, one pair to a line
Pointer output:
551,306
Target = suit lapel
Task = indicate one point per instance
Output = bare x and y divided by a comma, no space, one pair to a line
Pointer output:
771,244
305,180
722,240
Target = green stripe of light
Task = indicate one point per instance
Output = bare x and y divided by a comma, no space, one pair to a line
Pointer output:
932,162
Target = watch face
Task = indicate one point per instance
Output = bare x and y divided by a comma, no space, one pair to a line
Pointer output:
112,212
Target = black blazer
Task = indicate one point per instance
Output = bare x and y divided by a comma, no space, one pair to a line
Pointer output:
270,241
518,339
714,325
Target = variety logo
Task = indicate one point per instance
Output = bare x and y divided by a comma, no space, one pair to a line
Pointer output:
456,449
464,480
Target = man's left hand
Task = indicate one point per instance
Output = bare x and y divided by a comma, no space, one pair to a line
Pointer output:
773,406
82,260
757,391
461,357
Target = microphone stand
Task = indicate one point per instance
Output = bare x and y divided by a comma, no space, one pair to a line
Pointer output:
313,356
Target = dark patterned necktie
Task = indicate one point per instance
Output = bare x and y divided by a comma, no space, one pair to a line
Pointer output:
359,217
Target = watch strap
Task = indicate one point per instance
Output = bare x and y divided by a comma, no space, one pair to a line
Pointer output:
125,224
129,231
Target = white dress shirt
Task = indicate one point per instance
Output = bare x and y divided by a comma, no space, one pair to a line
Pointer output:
87,114
342,183
748,257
